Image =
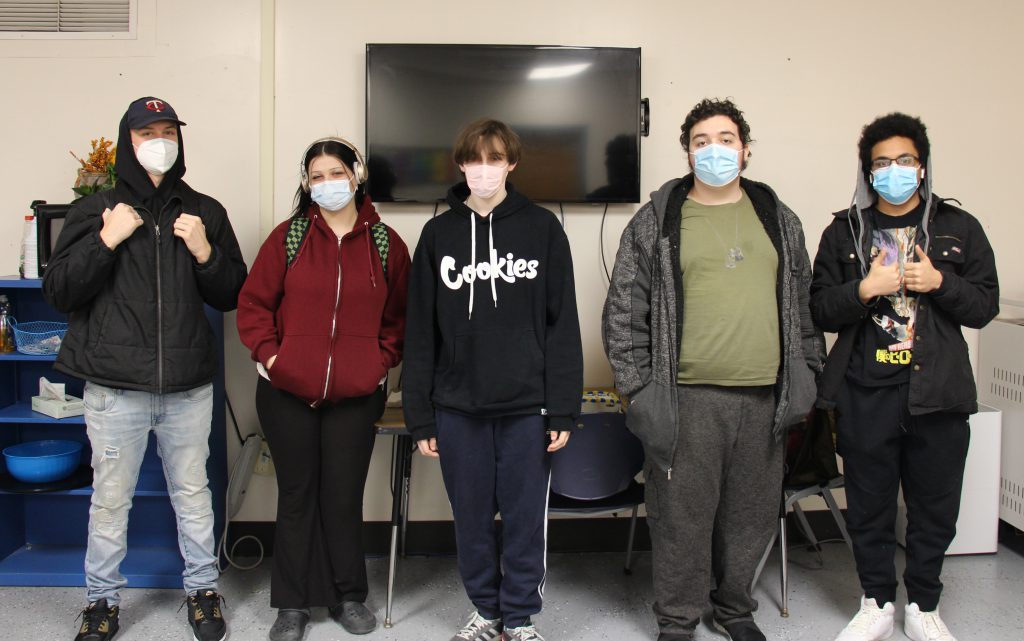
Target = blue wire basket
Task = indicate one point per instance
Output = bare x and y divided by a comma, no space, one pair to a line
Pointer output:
38,338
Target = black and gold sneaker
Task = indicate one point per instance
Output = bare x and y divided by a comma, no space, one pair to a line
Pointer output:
205,617
99,622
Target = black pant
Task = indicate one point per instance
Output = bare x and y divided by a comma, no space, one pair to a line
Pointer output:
882,446
493,465
321,456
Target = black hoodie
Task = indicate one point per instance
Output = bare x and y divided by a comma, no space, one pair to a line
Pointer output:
483,346
136,318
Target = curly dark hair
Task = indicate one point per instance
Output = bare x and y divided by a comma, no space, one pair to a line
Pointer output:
890,126
708,108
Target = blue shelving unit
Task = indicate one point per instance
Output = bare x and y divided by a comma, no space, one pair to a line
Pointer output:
43,535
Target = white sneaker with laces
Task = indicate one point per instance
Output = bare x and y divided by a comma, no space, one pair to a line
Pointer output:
925,626
871,623
523,633
478,628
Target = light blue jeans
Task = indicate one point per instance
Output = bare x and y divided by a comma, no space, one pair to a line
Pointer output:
118,423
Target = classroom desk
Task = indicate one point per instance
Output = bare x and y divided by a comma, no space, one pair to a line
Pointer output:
392,423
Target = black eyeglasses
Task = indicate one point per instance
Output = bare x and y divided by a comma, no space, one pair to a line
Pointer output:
906,160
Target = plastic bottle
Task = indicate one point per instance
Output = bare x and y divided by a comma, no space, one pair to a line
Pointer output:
6,333
29,265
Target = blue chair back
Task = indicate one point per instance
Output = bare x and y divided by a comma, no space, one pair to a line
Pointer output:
600,459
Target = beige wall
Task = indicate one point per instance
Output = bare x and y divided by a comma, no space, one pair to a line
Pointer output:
808,74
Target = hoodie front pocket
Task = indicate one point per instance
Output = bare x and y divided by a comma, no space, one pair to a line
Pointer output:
495,368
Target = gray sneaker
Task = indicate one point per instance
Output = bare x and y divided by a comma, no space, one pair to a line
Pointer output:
478,628
523,633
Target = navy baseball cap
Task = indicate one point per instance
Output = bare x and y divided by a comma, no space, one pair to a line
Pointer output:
149,109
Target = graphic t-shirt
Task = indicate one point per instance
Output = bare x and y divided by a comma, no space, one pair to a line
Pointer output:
886,341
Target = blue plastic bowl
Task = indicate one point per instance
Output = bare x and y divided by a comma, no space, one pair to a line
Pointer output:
42,461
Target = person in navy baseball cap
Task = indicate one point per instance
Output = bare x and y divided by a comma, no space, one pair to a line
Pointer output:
149,109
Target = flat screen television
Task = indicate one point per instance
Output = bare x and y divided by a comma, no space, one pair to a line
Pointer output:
577,110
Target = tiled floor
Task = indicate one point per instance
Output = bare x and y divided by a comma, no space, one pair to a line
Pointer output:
588,599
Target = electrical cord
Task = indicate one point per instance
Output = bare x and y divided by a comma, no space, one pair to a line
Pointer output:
604,263
222,550
561,213
234,421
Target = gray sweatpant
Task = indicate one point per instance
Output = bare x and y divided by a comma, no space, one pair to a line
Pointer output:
711,521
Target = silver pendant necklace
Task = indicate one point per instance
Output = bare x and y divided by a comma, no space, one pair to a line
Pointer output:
734,254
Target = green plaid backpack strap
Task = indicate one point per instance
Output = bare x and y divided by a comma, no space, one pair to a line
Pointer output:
381,239
297,230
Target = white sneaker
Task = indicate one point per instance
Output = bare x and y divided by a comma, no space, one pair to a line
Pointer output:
871,623
925,626
478,628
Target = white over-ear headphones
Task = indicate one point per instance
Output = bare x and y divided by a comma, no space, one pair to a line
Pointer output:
358,169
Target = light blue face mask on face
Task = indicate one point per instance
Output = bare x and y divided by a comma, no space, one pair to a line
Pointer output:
332,195
716,165
894,183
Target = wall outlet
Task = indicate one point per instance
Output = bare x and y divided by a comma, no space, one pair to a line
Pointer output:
264,463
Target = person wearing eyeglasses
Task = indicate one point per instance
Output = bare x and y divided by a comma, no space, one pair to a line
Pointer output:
897,275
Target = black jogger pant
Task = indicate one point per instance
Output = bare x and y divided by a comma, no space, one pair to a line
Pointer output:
882,446
321,456
493,465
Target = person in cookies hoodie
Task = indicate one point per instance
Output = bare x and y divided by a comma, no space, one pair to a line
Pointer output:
493,374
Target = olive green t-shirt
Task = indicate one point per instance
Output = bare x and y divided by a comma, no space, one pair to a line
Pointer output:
730,310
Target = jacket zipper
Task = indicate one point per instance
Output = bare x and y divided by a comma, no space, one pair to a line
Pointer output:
159,318
334,326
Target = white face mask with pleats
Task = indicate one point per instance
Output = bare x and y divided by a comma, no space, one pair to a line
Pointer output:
157,156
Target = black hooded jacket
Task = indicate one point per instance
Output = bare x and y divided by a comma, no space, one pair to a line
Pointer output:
492,344
136,317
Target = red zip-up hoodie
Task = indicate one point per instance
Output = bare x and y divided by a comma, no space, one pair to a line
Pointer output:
333,320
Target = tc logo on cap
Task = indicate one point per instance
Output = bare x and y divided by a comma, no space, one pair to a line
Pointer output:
155,105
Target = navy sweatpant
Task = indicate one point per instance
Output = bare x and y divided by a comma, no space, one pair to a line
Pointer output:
491,466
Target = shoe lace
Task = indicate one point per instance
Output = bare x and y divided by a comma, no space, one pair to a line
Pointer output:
864,619
92,618
207,605
934,627
524,633
474,625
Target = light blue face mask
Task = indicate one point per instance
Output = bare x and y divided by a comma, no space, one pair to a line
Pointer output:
332,195
894,183
716,165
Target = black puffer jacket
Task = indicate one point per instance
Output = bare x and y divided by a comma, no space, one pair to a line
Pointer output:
941,378
136,312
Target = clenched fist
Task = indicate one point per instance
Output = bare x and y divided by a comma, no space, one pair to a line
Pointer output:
190,229
118,224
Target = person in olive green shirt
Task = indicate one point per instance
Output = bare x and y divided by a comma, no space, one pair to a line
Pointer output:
708,330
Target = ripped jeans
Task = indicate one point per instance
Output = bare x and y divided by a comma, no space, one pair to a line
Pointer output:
118,423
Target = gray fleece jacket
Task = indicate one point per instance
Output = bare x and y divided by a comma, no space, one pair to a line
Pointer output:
642,323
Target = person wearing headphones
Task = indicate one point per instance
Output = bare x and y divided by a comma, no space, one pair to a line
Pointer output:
323,312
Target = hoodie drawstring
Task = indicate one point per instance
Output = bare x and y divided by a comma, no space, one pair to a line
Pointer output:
369,253
491,255
490,259
472,259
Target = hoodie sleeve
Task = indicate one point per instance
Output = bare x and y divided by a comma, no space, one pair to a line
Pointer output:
392,322
260,297
220,278
563,348
626,322
81,262
420,340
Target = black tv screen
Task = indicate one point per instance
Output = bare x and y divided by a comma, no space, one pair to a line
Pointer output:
576,109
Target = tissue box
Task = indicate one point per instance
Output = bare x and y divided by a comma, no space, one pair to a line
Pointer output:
70,406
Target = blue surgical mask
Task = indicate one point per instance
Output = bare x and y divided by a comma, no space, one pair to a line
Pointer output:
894,183
332,195
716,165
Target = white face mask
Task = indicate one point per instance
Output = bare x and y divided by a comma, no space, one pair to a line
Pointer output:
485,180
157,155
